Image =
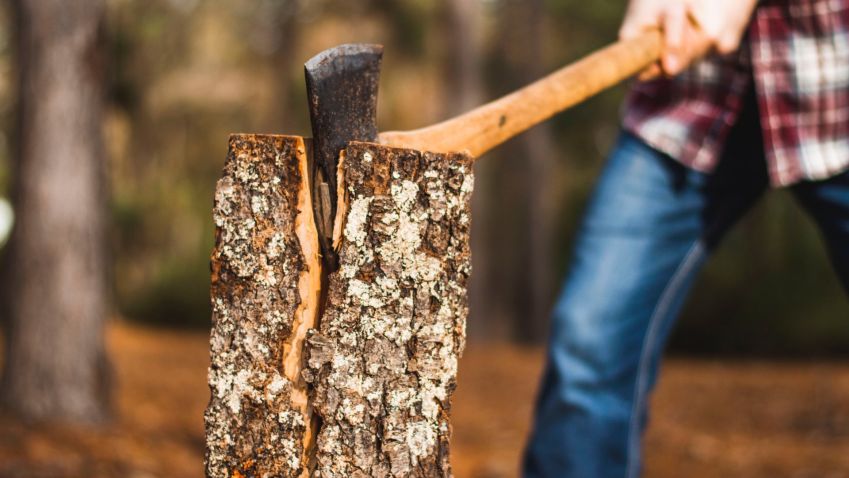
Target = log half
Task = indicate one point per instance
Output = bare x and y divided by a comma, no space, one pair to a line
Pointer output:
265,296
383,361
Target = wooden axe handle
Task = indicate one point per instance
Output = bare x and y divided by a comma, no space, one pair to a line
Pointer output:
487,126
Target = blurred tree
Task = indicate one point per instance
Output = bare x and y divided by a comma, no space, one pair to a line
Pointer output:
55,278
540,153
272,28
519,51
284,61
461,24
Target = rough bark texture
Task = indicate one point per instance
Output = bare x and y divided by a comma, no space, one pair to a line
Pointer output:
55,285
384,360
265,293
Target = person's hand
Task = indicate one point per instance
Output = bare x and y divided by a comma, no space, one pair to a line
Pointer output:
691,28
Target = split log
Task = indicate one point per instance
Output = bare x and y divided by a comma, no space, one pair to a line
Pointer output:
369,392
383,362
265,296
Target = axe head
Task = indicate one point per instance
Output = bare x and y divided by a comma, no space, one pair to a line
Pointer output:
342,90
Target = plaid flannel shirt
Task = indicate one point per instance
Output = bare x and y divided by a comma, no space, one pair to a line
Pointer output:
797,52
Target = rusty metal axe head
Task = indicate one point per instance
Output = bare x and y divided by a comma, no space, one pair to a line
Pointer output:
342,90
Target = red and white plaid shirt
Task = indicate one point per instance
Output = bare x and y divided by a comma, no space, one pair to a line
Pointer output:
797,51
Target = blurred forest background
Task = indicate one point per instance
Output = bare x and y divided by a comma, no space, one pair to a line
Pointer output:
183,74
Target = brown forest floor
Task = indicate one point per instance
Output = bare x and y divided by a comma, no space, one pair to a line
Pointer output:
711,419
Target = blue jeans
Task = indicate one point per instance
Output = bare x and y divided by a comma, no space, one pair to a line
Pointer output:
649,228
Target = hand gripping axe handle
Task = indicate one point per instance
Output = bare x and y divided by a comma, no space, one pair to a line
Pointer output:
487,126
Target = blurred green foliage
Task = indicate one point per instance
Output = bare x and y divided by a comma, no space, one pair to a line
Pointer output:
184,74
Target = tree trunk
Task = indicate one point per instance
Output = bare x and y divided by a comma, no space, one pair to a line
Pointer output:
55,279
368,395
528,160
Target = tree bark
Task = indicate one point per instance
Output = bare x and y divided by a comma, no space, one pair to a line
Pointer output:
55,277
384,360
265,296
369,392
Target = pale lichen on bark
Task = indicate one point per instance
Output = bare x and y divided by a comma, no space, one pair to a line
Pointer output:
383,363
264,298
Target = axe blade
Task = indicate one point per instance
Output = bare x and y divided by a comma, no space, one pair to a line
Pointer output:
342,87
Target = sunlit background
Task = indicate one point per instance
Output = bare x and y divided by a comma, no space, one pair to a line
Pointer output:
758,386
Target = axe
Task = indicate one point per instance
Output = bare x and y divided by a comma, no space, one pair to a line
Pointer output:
342,85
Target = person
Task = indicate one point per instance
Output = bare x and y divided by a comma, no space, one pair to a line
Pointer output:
701,141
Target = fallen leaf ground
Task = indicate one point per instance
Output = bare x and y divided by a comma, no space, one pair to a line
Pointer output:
710,419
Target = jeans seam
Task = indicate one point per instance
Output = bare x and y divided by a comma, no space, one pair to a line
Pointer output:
669,293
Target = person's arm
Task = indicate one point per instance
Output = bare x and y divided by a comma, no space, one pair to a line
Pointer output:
691,28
